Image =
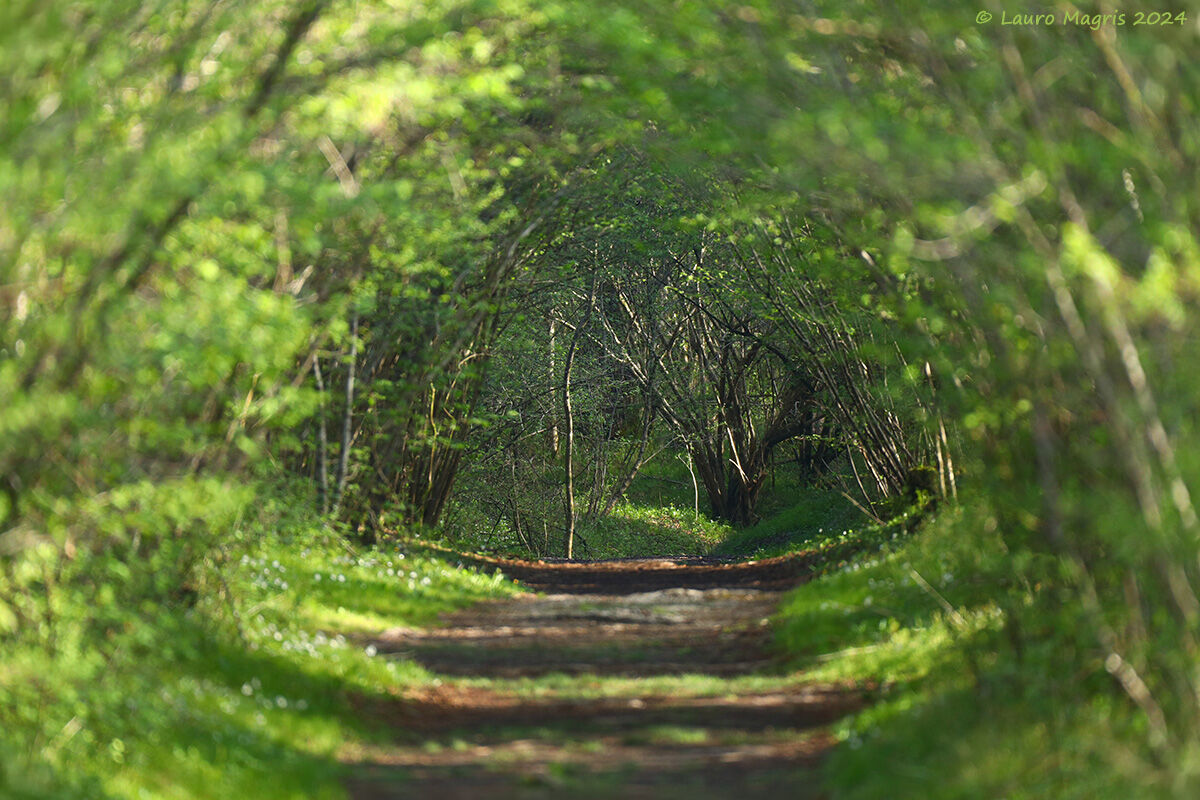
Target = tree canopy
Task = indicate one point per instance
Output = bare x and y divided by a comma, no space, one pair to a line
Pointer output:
472,265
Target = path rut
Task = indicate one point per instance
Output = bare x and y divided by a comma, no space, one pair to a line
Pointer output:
645,678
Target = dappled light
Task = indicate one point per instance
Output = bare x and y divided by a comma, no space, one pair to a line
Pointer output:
548,398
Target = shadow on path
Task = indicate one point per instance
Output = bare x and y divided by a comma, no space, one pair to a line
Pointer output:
601,725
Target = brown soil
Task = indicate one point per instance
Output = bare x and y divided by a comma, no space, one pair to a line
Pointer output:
488,727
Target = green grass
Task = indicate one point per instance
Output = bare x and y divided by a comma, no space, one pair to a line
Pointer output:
587,687
245,694
634,530
811,516
664,482
889,615
957,712
971,741
659,516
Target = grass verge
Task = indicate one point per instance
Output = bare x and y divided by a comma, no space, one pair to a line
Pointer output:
245,693
960,712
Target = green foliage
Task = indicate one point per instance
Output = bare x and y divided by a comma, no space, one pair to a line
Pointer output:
1006,219
632,530
975,243
926,623
895,610
820,516
244,690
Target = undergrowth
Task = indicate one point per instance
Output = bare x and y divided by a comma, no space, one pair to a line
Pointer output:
635,530
244,690
244,693
958,711
815,516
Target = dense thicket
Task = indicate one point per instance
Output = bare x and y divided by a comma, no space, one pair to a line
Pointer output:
387,250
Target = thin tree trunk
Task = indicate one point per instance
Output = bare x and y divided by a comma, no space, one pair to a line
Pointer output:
322,442
348,416
599,473
553,375
516,507
569,437
639,461
945,445
687,462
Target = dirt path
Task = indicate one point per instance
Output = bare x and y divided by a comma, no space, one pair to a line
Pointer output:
628,679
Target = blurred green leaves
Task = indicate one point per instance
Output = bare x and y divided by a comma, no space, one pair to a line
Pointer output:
199,196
